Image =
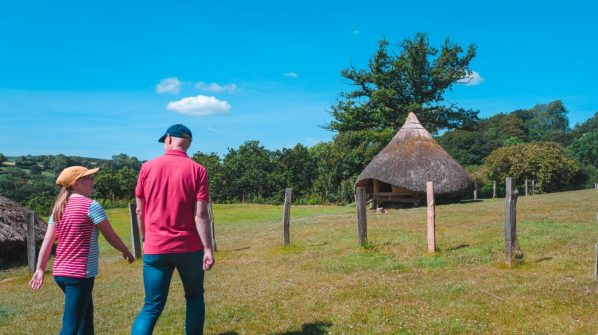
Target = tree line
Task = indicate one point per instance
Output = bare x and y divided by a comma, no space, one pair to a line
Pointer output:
535,144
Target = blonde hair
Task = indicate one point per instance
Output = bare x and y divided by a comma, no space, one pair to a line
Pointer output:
61,200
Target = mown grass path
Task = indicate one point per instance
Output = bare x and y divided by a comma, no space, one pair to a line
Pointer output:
325,284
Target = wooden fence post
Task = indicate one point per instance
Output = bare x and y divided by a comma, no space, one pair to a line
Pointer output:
494,189
212,230
286,220
362,230
135,241
376,190
512,245
31,241
431,217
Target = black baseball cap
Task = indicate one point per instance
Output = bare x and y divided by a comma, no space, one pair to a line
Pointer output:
177,130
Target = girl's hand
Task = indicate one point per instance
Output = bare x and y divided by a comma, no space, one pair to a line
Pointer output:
128,256
37,280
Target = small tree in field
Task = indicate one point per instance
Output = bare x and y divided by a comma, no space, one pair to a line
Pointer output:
545,162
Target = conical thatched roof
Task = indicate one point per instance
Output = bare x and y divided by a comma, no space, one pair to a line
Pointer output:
13,229
412,158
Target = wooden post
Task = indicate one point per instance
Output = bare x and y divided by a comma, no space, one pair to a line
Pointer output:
526,187
31,241
431,217
475,191
362,230
135,241
376,190
512,245
286,219
212,230
494,189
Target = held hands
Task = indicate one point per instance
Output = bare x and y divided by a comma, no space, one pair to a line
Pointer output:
37,280
208,259
128,256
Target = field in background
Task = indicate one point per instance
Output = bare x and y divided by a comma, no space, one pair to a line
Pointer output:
325,284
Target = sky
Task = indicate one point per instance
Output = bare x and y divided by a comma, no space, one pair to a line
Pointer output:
99,78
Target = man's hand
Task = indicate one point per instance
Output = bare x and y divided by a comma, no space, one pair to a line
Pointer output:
208,259
128,256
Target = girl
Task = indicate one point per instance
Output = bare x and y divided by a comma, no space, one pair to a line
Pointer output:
75,223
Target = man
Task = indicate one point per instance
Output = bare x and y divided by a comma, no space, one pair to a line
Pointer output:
172,197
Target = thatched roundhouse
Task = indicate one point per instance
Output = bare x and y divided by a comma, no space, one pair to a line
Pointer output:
400,171
13,231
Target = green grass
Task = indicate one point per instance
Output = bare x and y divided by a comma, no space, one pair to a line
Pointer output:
324,283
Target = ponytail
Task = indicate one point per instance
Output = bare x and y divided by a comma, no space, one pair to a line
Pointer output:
61,201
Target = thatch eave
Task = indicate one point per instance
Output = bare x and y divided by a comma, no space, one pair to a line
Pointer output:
13,228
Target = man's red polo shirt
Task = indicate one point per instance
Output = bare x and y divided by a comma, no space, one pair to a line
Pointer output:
170,186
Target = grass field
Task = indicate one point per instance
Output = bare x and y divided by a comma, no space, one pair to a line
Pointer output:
324,283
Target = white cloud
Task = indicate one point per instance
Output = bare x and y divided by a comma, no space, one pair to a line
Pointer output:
214,87
199,105
472,79
291,75
169,85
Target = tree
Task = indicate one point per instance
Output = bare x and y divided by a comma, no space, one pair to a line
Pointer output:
590,125
547,122
545,162
213,165
471,146
338,163
59,163
122,160
412,80
115,185
35,169
2,159
294,168
585,148
247,171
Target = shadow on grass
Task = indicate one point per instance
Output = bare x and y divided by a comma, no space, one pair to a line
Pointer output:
231,250
457,247
314,328
464,202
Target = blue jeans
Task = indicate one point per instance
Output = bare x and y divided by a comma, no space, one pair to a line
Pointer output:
78,305
157,274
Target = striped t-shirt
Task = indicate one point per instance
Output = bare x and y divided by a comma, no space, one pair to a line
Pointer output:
77,251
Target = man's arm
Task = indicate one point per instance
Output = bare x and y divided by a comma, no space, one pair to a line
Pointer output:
202,223
139,211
